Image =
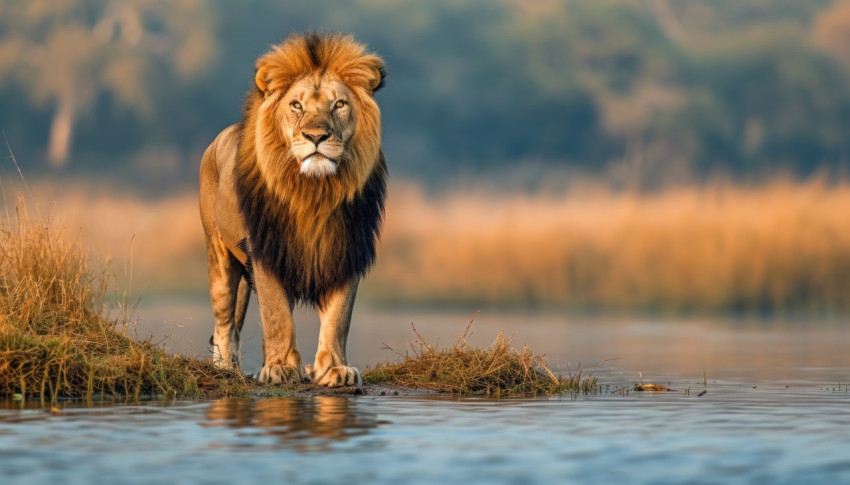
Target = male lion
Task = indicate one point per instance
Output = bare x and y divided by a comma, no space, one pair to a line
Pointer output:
291,202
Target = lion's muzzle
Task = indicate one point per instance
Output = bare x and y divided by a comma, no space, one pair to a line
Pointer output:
318,150
318,165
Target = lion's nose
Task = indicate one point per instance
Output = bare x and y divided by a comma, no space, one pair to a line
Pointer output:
316,136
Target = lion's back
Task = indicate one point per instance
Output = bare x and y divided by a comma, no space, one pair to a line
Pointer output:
219,205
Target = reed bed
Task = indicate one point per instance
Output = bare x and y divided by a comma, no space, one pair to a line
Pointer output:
780,246
783,246
55,341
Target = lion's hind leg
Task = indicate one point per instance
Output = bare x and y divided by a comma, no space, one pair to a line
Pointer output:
243,297
225,273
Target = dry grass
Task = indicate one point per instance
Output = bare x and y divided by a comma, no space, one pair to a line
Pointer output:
156,245
55,341
500,371
780,246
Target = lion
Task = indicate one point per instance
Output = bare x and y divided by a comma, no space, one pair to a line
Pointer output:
292,200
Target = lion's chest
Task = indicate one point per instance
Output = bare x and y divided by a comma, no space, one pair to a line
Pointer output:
313,250
314,246
314,255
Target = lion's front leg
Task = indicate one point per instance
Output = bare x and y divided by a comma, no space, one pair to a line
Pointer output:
330,367
281,360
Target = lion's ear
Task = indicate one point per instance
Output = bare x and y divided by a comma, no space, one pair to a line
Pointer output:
261,78
366,72
275,71
380,77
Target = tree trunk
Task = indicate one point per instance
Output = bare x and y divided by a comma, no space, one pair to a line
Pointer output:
61,132
668,22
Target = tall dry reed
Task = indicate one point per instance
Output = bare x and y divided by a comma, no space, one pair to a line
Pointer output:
779,246
776,247
54,339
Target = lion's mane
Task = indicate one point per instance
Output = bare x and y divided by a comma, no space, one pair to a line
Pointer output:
316,234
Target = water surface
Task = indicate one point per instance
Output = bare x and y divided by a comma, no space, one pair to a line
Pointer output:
814,350
731,435
775,409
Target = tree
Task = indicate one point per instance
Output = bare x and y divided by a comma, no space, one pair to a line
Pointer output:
66,53
831,31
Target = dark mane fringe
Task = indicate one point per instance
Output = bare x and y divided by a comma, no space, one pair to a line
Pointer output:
310,262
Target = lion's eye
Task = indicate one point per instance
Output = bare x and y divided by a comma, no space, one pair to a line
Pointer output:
339,104
295,105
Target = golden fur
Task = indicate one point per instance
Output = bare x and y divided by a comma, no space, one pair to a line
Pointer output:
302,233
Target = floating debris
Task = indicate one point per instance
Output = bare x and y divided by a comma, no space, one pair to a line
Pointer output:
640,387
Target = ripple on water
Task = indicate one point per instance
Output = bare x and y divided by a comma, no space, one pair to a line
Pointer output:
734,433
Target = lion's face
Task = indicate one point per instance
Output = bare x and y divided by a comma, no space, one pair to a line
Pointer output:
318,120
313,125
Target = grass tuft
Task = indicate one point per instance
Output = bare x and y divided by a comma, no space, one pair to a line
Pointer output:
56,342
500,371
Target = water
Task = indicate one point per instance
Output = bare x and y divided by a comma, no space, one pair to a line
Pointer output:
817,351
730,435
776,410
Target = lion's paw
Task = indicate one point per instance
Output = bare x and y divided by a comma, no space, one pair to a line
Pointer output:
280,374
222,363
233,363
336,376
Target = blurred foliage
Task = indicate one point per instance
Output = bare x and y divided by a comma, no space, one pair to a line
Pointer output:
641,91
69,54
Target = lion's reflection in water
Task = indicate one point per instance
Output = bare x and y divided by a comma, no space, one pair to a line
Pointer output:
301,423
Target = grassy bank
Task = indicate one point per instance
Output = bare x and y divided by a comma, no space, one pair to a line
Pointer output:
55,341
